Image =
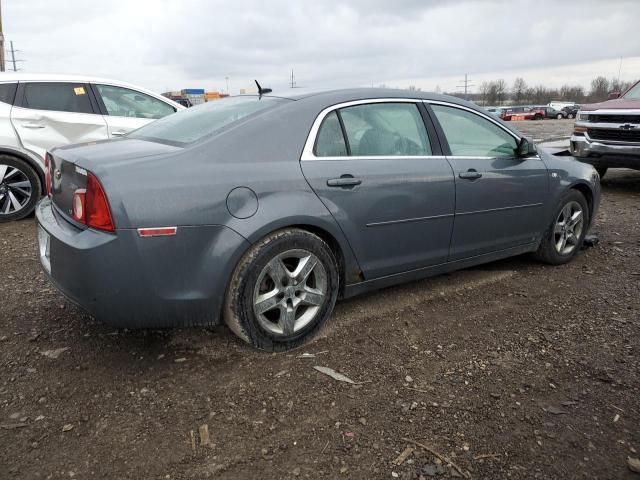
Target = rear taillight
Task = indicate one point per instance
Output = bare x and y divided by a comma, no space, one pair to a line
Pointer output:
90,206
47,174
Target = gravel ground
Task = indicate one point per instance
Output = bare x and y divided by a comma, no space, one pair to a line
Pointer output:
509,370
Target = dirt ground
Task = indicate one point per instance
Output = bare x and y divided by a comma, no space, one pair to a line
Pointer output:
509,370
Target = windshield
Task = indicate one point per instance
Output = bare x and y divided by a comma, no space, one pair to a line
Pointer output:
196,123
634,93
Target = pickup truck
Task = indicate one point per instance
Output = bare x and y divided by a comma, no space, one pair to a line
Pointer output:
607,134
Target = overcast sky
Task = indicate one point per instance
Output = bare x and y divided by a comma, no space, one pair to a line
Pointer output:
174,44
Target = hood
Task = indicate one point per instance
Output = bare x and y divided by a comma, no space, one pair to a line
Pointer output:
618,103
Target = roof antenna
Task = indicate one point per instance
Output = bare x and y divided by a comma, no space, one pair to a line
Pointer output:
262,91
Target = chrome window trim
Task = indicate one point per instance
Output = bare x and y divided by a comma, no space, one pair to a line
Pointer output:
309,155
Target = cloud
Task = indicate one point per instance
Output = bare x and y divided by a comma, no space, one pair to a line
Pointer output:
174,44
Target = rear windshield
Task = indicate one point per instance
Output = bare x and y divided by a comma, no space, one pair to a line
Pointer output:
193,124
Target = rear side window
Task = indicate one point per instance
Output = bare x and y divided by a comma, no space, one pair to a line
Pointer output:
57,96
374,130
123,102
197,123
330,141
385,129
8,92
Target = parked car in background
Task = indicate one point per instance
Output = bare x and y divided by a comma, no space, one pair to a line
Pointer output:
571,112
541,112
560,105
496,111
40,112
262,210
516,113
607,134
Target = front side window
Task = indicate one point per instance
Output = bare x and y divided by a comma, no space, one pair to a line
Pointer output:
123,102
57,96
471,135
196,123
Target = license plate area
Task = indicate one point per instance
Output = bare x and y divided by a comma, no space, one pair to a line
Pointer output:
44,247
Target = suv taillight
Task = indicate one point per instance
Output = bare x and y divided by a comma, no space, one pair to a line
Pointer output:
47,174
90,206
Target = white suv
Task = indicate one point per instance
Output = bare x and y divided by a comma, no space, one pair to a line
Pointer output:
40,112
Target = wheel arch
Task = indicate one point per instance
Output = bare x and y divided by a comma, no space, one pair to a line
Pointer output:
29,160
585,190
348,268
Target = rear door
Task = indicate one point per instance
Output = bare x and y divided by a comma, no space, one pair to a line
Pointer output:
499,196
384,179
126,109
51,114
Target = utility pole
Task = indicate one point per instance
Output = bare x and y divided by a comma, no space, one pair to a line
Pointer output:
466,84
227,79
1,42
13,56
292,83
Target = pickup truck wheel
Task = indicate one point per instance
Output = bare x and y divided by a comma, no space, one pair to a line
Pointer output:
19,189
282,291
564,236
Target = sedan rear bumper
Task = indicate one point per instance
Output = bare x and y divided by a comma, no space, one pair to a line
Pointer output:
132,282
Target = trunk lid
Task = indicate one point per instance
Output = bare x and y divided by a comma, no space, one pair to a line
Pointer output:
69,165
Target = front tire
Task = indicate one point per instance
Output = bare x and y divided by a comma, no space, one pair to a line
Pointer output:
563,238
282,291
20,189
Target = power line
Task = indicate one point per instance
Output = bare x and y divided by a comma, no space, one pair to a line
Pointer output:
466,84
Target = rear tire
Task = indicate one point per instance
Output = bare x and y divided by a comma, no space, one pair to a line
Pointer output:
282,291
20,189
537,116
559,116
563,238
602,171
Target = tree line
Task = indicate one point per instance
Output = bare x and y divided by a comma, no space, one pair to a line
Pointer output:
497,92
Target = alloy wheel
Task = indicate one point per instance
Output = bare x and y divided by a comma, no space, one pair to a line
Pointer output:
15,189
568,228
290,292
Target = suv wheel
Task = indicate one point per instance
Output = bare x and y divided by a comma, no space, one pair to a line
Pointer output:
563,239
19,189
282,291
559,116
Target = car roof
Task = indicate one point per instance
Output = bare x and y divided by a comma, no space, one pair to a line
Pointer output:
55,77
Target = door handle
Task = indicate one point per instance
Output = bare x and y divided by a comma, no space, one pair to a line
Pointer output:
344,181
118,133
32,125
470,174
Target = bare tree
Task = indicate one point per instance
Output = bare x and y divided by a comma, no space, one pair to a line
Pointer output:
501,90
485,88
599,89
519,90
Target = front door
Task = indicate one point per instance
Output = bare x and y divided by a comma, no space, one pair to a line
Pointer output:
386,183
127,110
51,114
499,196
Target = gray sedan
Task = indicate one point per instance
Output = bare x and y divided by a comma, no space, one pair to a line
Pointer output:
261,211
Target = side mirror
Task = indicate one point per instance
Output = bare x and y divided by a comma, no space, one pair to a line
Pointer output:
614,95
525,147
